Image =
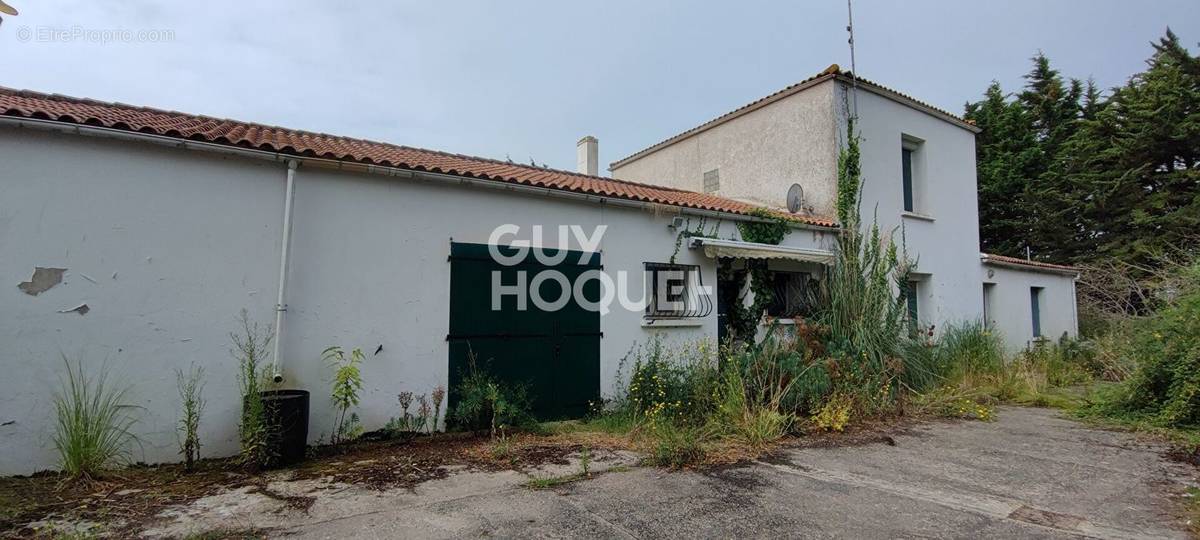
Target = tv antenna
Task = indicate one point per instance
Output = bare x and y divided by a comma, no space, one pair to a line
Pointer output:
853,67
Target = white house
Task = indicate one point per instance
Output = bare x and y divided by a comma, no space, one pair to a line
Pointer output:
132,237
918,168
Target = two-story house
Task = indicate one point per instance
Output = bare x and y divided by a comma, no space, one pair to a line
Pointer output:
919,181
133,236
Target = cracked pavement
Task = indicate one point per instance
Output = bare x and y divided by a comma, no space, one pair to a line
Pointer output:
1029,474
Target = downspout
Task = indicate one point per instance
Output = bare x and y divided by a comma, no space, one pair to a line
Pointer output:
280,301
1075,305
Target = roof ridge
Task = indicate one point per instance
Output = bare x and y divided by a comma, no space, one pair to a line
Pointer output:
834,71
96,102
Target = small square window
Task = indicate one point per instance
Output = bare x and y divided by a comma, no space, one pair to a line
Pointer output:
793,294
675,291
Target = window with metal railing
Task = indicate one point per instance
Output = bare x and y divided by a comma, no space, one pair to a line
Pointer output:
676,291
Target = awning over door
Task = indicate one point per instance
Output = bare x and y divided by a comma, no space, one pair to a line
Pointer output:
734,249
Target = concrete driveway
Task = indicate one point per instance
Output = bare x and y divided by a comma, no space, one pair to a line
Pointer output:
1030,473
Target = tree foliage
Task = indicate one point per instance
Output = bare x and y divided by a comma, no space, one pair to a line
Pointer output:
1073,176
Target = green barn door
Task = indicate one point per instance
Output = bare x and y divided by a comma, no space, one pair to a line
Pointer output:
555,355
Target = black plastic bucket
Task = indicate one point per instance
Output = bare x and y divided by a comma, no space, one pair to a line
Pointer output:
287,414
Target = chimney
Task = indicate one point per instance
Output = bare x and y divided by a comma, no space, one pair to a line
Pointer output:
587,156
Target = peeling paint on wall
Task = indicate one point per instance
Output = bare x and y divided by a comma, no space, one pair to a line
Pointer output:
81,309
43,280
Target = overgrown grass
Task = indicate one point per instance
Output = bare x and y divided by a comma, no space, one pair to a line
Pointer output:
1164,389
93,423
975,373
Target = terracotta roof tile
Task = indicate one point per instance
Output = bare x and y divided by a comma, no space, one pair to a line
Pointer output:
1002,259
58,108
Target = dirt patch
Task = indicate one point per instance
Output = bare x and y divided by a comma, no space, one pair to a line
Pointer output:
120,502
128,500
875,432
1046,518
292,502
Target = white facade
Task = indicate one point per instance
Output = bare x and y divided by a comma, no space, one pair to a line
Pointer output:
1008,304
167,245
796,135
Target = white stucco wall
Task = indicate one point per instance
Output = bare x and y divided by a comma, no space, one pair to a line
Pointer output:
795,139
1009,304
758,155
945,240
173,243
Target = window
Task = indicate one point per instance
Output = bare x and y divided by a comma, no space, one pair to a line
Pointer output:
912,172
1035,307
916,298
988,289
675,291
794,294
906,160
911,298
712,181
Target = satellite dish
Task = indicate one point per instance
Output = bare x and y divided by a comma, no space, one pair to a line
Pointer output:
795,198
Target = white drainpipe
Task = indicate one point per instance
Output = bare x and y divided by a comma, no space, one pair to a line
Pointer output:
280,302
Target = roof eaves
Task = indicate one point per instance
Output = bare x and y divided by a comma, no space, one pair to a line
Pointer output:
833,72
1013,262
87,114
905,99
740,111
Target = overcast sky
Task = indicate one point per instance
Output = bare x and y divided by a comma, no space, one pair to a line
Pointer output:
528,79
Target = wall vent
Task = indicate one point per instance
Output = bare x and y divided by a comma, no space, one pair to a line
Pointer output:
712,181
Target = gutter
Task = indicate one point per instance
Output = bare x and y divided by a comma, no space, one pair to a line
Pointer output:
326,163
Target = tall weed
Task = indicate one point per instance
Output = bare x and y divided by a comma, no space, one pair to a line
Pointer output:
190,385
250,345
93,423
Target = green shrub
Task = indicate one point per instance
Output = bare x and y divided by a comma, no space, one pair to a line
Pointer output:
677,445
486,403
1064,363
346,384
969,347
834,414
973,372
749,405
1165,387
678,382
93,424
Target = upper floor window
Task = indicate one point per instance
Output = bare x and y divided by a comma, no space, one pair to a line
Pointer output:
906,160
911,169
